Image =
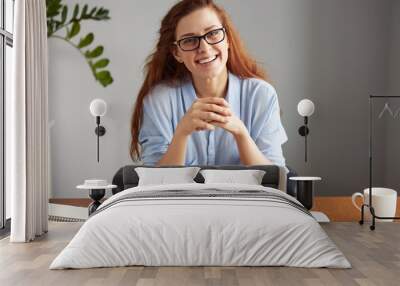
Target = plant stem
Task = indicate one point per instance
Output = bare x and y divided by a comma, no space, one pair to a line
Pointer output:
62,26
76,47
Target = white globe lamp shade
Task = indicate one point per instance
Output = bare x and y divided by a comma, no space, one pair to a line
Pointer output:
305,107
98,107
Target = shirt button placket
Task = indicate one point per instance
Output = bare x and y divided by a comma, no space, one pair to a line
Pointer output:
211,148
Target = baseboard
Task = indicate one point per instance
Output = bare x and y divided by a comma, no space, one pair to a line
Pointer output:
340,208
336,208
77,202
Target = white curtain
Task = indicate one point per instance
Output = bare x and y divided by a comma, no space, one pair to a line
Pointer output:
27,123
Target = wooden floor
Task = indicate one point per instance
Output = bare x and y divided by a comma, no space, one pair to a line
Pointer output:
374,255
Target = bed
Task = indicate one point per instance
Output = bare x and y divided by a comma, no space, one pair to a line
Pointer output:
197,224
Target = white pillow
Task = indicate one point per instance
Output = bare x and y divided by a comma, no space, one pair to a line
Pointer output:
249,177
164,176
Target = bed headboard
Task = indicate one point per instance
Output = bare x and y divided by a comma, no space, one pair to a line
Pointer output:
126,177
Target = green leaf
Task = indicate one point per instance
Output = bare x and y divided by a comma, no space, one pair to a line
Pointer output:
92,12
95,53
101,63
86,41
76,27
84,11
102,14
64,14
99,11
53,8
104,77
76,12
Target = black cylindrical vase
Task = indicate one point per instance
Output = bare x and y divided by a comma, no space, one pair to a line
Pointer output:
305,193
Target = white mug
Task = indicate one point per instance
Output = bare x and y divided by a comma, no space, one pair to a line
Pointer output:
383,201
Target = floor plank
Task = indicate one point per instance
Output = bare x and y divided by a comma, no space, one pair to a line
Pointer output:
374,255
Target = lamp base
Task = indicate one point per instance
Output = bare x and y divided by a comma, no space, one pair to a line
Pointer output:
303,130
100,130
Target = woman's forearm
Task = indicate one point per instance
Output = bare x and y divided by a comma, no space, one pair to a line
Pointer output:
249,152
176,151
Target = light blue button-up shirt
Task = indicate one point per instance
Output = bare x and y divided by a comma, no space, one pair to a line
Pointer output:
252,100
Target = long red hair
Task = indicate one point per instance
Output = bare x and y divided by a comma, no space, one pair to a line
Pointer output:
161,66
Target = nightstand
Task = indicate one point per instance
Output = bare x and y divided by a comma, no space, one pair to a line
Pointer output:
305,195
97,190
305,190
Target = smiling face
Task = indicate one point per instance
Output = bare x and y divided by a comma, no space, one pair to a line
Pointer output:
208,61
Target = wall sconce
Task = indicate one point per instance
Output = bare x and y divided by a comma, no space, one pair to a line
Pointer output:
305,108
98,108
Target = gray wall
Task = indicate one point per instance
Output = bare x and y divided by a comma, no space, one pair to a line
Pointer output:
392,138
333,52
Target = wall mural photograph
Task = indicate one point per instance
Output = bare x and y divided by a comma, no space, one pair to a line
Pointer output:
207,133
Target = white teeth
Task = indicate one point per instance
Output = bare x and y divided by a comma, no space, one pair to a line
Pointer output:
203,61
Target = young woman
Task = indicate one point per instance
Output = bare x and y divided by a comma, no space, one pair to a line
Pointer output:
204,101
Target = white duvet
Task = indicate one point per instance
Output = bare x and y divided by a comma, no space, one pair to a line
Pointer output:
183,231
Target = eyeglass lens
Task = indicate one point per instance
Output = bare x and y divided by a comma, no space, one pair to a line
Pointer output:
213,37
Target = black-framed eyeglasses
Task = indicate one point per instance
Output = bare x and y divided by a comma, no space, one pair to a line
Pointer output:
193,43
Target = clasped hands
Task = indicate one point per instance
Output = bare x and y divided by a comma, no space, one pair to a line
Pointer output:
206,113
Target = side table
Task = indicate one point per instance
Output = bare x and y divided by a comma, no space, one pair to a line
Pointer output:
96,192
305,195
305,192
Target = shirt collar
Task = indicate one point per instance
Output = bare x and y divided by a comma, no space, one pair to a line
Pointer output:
232,96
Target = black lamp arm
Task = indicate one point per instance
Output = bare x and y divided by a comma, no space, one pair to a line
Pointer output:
100,131
304,131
